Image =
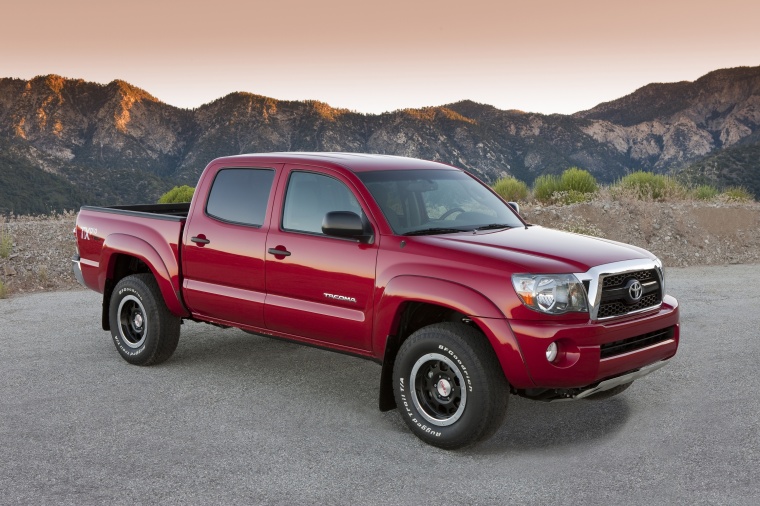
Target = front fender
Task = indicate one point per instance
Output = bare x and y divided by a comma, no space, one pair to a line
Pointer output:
466,300
163,266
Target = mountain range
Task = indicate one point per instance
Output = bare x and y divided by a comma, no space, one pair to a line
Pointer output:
66,142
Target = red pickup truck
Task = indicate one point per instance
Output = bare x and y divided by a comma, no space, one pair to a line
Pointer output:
414,264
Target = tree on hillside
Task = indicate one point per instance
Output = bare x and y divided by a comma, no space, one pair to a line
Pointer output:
177,195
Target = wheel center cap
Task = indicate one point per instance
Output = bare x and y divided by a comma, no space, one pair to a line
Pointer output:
138,320
444,387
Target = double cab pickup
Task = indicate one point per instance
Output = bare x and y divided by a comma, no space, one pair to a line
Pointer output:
414,264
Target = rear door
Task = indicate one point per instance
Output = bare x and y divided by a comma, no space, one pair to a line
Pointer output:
224,246
319,288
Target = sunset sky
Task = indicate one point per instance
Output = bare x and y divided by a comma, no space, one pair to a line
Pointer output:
541,56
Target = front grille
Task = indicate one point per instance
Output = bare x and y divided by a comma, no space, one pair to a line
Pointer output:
617,308
635,343
615,300
620,279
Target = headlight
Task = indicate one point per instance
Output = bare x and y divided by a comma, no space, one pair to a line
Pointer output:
551,293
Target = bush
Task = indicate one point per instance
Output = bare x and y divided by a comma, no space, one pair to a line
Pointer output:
649,186
511,189
737,194
544,187
574,185
578,180
3,290
705,192
177,195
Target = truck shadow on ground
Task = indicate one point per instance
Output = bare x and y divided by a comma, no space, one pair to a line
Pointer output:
350,384
534,425
233,355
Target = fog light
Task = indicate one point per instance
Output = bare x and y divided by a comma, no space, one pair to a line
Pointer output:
551,352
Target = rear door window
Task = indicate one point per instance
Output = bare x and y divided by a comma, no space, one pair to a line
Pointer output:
240,196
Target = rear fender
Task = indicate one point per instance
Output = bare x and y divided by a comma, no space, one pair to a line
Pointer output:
167,276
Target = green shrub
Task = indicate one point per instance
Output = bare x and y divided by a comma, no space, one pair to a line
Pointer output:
511,189
544,187
178,194
3,290
705,192
649,186
578,180
737,194
574,185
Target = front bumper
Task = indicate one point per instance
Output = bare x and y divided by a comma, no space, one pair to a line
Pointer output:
592,352
77,268
619,380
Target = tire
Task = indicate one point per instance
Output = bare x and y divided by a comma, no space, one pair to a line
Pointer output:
449,386
612,392
143,329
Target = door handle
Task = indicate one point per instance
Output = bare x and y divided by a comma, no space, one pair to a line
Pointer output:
279,252
200,240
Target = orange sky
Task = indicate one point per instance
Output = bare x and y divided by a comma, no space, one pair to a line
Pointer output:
543,56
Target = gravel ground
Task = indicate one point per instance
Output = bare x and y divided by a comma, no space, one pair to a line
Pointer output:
237,419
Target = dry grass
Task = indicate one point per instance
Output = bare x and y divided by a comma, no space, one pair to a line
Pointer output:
6,241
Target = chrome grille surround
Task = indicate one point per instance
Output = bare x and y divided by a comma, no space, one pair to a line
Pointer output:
618,272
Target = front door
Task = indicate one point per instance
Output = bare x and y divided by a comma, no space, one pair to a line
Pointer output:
319,288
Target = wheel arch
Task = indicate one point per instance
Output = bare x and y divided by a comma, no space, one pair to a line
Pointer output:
123,255
413,302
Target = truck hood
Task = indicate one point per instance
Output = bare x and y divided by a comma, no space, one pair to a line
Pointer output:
538,249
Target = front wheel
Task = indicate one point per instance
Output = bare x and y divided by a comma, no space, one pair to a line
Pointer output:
144,331
449,385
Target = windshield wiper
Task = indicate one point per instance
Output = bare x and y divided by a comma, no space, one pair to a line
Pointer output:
494,226
435,230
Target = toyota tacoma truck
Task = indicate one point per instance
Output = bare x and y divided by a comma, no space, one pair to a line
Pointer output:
414,264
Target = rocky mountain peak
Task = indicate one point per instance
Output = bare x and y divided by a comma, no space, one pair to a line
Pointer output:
130,146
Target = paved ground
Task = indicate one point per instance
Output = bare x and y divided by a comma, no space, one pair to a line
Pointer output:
234,419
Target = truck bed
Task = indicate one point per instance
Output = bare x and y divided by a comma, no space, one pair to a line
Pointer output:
156,211
110,239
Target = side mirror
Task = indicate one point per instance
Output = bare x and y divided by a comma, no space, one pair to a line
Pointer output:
344,224
515,206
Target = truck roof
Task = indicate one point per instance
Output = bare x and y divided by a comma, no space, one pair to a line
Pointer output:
355,162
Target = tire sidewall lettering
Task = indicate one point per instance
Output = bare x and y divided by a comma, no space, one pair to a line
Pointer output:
132,291
459,362
407,406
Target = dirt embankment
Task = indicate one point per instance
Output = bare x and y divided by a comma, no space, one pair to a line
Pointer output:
681,234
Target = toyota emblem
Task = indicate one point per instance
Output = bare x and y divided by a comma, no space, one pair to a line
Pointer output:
635,290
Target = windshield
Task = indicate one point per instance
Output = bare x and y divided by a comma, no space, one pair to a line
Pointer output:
436,201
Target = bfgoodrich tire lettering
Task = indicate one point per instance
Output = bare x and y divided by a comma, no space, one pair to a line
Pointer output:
449,386
142,328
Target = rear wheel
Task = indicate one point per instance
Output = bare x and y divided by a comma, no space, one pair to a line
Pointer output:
143,329
449,385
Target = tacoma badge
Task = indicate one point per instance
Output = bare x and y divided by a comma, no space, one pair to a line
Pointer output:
340,297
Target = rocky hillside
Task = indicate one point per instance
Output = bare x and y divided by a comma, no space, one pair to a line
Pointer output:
67,142
665,126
